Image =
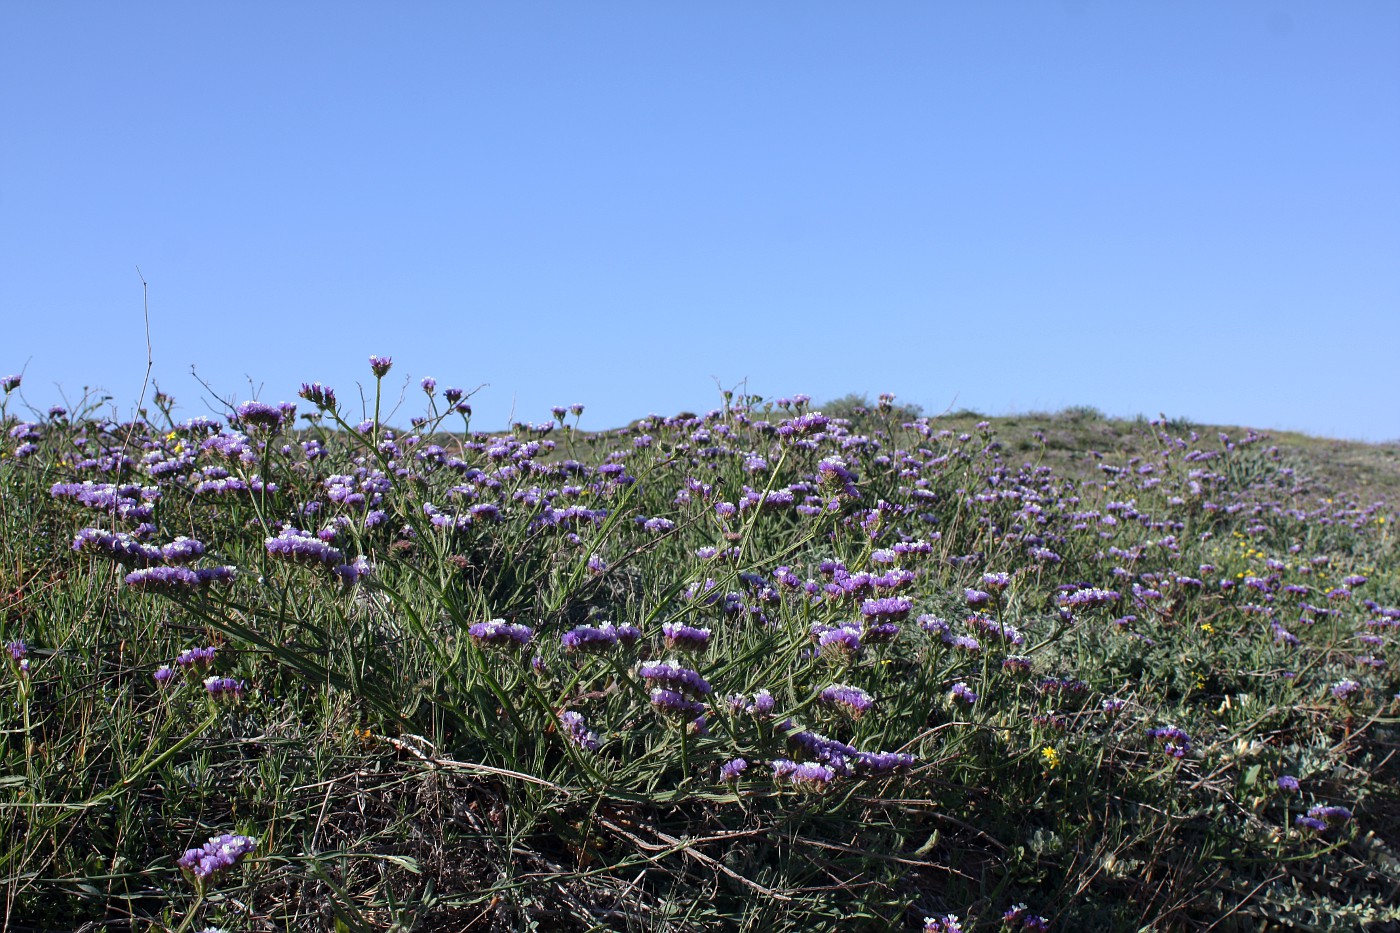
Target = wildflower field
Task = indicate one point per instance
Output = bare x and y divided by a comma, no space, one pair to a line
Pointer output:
769,667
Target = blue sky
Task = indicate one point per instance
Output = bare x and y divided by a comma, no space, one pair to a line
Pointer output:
1189,208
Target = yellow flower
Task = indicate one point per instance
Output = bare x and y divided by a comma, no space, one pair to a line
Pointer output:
1208,628
1052,757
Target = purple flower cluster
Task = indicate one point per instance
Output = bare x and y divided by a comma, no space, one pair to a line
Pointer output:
498,633
948,923
671,676
680,637
303,547
577,731
675,703
853,701
1090,597
1320,818
1175,742
1343,689
1020,918
127,549
807,776
216,856
224,688
887,609
991,628
260,415
175,580
599,637
963,692
731,770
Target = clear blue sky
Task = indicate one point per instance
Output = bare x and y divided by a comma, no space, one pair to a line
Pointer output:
1190,208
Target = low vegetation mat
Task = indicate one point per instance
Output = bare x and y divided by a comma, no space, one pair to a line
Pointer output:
763,668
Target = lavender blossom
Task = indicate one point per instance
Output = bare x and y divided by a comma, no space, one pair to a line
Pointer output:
576,728
680,637
259,415
379,365
224,688
853,701
216,856
672,676
963,692
498,633
674,703
731,770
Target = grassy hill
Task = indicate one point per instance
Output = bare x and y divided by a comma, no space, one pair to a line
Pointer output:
758,668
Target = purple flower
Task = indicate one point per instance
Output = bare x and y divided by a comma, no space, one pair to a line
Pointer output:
672,676
590,637
303,547
18,650
994,629
196,657
681,637
499,633
948,923
1343,689
841,642
886,609
1087,598
996,581
318,395
731,770
674,703
10,383
217,855
853,701
164,674
977,598
163,579
762,704
429,385
963,692
576,728
1016,664
260,415
1331,817
808,776
1287,782
379,365
224,688
354,571
1174,741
